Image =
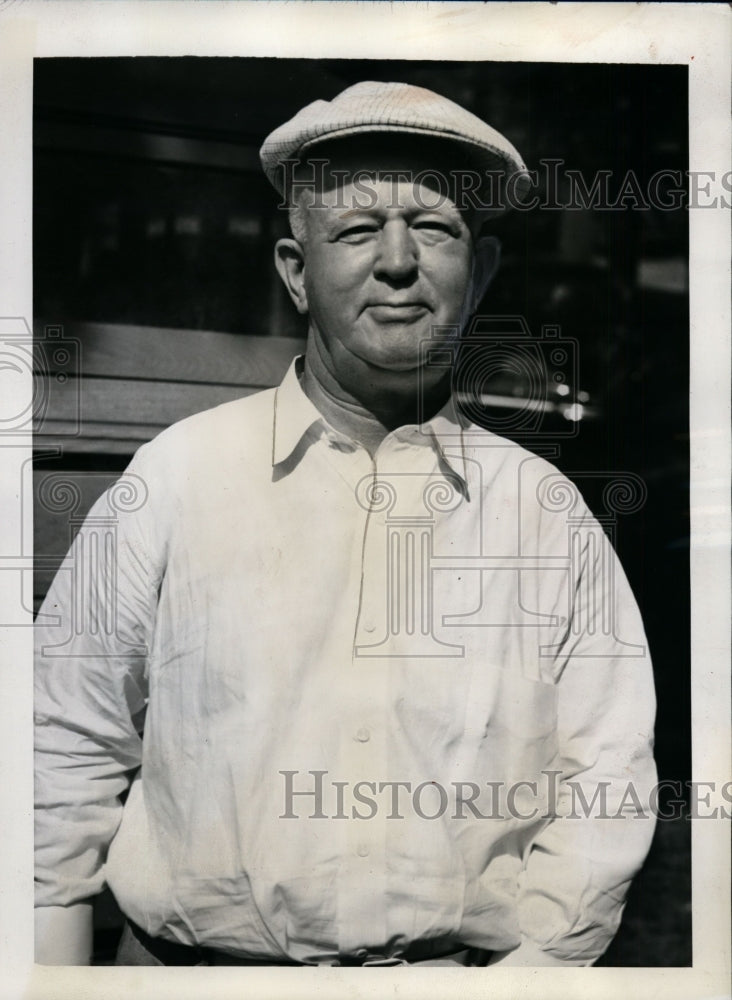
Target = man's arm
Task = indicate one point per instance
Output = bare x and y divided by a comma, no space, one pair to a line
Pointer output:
578,870
528,955
91,638
63,934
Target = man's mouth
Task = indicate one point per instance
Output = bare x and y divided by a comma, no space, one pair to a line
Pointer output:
397,312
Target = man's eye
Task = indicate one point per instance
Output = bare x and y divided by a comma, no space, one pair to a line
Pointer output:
357,234
433,227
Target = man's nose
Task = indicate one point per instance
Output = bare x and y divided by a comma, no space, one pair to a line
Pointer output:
397,255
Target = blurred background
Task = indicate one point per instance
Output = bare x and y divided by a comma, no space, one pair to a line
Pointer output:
155,295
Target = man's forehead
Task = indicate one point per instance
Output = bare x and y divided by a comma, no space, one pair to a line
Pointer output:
382,193
374,173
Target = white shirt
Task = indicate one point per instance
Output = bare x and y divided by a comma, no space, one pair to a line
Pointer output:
285,614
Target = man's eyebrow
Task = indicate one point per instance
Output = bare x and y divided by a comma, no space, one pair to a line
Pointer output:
451,210
353,211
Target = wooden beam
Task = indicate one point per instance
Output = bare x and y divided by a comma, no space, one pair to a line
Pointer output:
109,387
143,352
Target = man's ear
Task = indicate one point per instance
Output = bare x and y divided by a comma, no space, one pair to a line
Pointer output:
290,264
486,258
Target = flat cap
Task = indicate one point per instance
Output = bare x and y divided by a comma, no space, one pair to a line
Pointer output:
392,107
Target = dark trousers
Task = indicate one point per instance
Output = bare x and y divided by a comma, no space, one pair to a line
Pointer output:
138,948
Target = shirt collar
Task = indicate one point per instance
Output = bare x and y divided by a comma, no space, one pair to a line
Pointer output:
448,433
295,415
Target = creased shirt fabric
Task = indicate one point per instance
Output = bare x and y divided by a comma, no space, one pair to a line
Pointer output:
260,616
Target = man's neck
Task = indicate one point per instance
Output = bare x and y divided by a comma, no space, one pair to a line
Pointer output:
381,404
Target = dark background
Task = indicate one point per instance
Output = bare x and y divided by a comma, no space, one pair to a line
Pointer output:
151,210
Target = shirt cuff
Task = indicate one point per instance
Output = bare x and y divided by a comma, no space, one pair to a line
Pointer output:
530,955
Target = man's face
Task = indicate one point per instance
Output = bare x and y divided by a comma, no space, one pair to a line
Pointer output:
386,260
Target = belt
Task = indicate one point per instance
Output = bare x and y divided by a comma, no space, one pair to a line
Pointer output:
173,953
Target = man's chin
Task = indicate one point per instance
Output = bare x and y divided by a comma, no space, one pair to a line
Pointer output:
393,359
395,362
394,366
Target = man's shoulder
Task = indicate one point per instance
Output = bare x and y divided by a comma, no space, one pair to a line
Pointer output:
241,428
241,420
500,456
513,474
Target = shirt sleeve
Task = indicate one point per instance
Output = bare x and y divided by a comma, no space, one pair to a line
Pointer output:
578,871
91,641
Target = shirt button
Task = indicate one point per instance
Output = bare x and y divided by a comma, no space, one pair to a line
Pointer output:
369,626
363,735
362,850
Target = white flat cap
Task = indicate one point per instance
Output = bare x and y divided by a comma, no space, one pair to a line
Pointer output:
392,107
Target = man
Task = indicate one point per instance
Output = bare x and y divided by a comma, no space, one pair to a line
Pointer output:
357,659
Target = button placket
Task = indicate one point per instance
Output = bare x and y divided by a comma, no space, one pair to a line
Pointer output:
371,624
362,914
361,884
